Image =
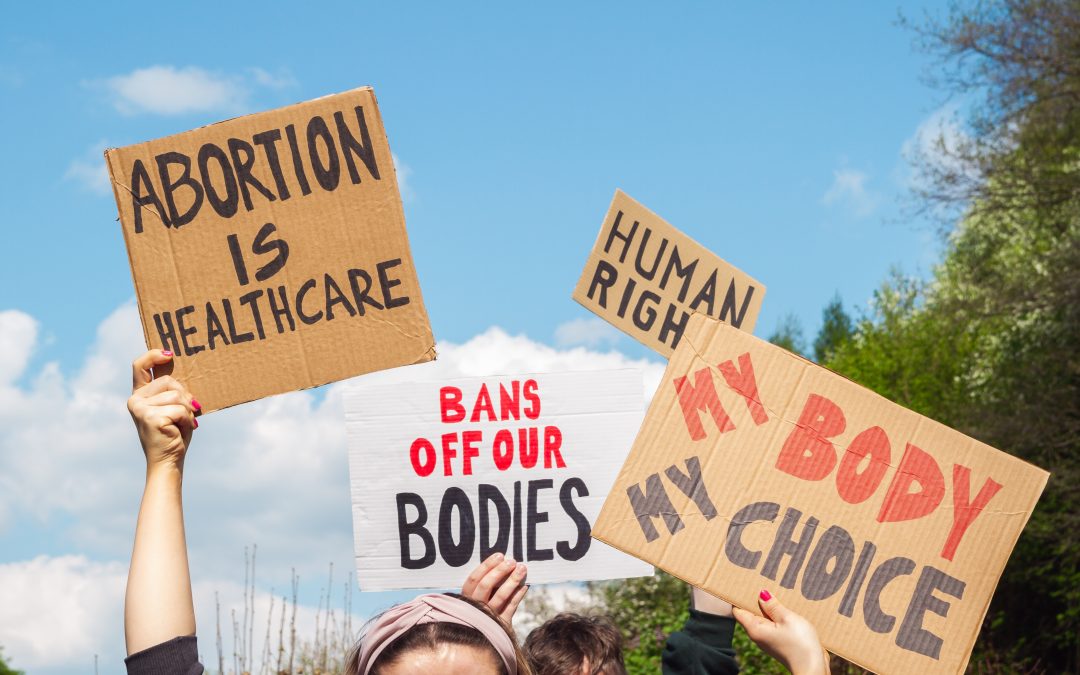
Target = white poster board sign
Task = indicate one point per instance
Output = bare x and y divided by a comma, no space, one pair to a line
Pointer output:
445,473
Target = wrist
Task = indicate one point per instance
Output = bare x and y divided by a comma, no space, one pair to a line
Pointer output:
164,471
814,664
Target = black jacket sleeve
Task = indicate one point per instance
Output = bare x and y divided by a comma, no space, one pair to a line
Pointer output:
702,647
178,656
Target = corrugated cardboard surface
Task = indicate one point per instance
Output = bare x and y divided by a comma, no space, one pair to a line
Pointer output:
331,194
596,414
645,278
739,467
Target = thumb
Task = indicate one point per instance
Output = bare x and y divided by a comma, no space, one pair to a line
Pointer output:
771,607
748,620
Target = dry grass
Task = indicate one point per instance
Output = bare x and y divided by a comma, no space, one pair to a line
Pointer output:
281,651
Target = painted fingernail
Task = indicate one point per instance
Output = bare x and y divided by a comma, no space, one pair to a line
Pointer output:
196,424
766,596
195,404
166,352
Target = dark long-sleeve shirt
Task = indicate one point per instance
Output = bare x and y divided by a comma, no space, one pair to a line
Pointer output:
178,656
701,647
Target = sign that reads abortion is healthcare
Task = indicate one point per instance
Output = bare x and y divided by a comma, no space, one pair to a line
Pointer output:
758,469
269,251
646,278
445,473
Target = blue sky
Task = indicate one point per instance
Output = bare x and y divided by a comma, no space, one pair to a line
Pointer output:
772,135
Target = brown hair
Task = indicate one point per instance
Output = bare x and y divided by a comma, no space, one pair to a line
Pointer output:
428,636
564,643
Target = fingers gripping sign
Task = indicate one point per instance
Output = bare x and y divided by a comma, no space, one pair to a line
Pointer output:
163,409
498,582
784,635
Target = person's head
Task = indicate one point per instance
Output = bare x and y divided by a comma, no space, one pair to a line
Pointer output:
573,643
435,634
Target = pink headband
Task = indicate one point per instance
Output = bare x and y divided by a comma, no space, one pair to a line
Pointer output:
433,608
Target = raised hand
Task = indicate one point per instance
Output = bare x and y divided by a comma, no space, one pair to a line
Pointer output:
498,582
163,410
158,606
785,635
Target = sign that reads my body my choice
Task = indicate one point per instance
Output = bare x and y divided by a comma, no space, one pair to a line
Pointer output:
445,473
755,469
269,252
645,278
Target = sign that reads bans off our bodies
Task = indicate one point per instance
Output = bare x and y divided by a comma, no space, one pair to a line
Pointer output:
646,278
445,473
755,469
269,251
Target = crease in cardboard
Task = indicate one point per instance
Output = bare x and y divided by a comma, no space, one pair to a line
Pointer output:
143,206
697,556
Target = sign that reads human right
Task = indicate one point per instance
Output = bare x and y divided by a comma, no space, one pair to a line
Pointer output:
646,278
269,251
446,473
756,469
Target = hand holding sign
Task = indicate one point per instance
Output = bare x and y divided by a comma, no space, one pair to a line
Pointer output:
755,467
163,410
785,636
499,583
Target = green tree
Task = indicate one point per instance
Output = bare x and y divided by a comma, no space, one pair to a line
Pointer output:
5,669
789,335
648,609
836,329
1008,290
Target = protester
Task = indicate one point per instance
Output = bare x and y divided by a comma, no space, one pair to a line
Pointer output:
432,634
435,633
574,643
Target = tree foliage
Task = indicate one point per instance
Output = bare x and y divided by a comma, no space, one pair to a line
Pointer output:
992,344
836,329
789,335
5,669
1018,62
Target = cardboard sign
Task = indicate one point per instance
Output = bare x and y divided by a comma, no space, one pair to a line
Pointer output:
445,473
646,278
269,251
758,469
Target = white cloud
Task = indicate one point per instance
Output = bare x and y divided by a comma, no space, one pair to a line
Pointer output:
849,190
172,90
18,336
273,472
403,172
61,612
90,172
935,143
587,332
282,79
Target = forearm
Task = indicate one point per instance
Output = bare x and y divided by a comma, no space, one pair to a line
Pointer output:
158,606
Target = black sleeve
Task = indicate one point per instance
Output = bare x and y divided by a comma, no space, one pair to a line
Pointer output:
178,656
702,647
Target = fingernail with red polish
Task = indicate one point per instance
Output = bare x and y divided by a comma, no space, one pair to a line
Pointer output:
166,352
766,596
196,424
195,404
